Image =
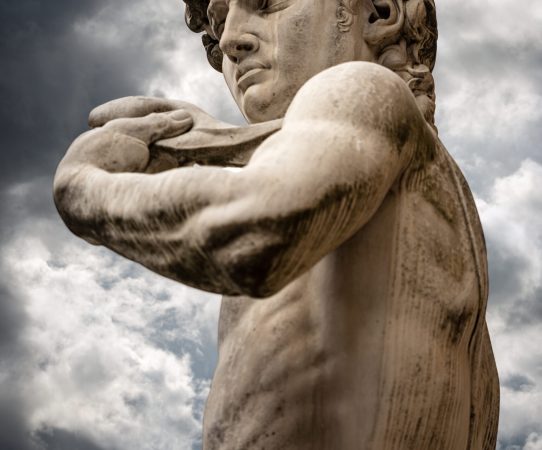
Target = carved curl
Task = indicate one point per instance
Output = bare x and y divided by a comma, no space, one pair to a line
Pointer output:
196,18
345,16
410,51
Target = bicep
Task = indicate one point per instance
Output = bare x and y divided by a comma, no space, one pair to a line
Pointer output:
310,167
312,185
306,191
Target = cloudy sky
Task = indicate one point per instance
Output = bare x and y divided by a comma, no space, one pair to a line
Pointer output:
97,353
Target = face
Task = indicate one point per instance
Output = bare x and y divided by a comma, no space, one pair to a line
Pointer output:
272,47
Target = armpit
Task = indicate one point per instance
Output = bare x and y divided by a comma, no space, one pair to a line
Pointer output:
249,258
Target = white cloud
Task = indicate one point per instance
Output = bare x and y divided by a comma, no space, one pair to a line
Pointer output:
119,23
489,96
489,20
512,219
482,107
534,442
96,361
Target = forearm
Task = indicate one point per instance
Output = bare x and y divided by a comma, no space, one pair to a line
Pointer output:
151,219
155,219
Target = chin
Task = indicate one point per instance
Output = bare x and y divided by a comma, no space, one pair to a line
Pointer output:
258,107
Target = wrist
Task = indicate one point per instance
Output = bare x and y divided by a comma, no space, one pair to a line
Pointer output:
108,150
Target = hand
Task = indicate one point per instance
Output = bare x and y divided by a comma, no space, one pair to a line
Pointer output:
138,106
122,145
209,141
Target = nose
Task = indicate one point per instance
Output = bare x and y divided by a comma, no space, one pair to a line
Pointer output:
236,48
237,42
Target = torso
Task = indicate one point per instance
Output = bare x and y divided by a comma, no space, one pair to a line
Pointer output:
326,362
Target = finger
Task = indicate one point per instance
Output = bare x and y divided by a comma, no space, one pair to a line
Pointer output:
153,127
130,107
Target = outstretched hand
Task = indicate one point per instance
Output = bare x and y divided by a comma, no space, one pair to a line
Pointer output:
143,120
122,145
138,106
209,142
124,129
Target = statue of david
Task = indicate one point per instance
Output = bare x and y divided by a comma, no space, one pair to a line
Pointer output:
347,246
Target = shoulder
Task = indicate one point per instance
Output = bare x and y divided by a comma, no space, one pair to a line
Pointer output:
364,95
354,75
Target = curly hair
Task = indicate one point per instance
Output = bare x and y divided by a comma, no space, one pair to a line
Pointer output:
409,48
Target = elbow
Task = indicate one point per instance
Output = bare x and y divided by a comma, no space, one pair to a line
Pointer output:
69,202
64,196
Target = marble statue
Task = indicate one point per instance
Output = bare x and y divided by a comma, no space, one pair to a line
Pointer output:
347,246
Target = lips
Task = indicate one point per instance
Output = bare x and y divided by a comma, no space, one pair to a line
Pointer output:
247,73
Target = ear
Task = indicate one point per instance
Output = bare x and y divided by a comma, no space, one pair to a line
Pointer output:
385,19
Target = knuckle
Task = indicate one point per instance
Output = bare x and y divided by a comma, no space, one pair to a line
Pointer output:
131,99
160,119
118,124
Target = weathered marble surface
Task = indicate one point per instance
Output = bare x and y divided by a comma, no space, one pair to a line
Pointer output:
348,246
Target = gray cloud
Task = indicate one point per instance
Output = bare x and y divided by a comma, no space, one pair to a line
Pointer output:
489,86
519,382
12,320
36,82
14,432
58,439
54,74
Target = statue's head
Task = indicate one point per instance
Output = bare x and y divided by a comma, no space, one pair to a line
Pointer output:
267,49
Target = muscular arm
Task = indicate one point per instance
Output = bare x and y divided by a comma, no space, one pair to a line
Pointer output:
348,135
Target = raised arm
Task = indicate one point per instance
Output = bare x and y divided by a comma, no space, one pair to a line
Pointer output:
347,137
